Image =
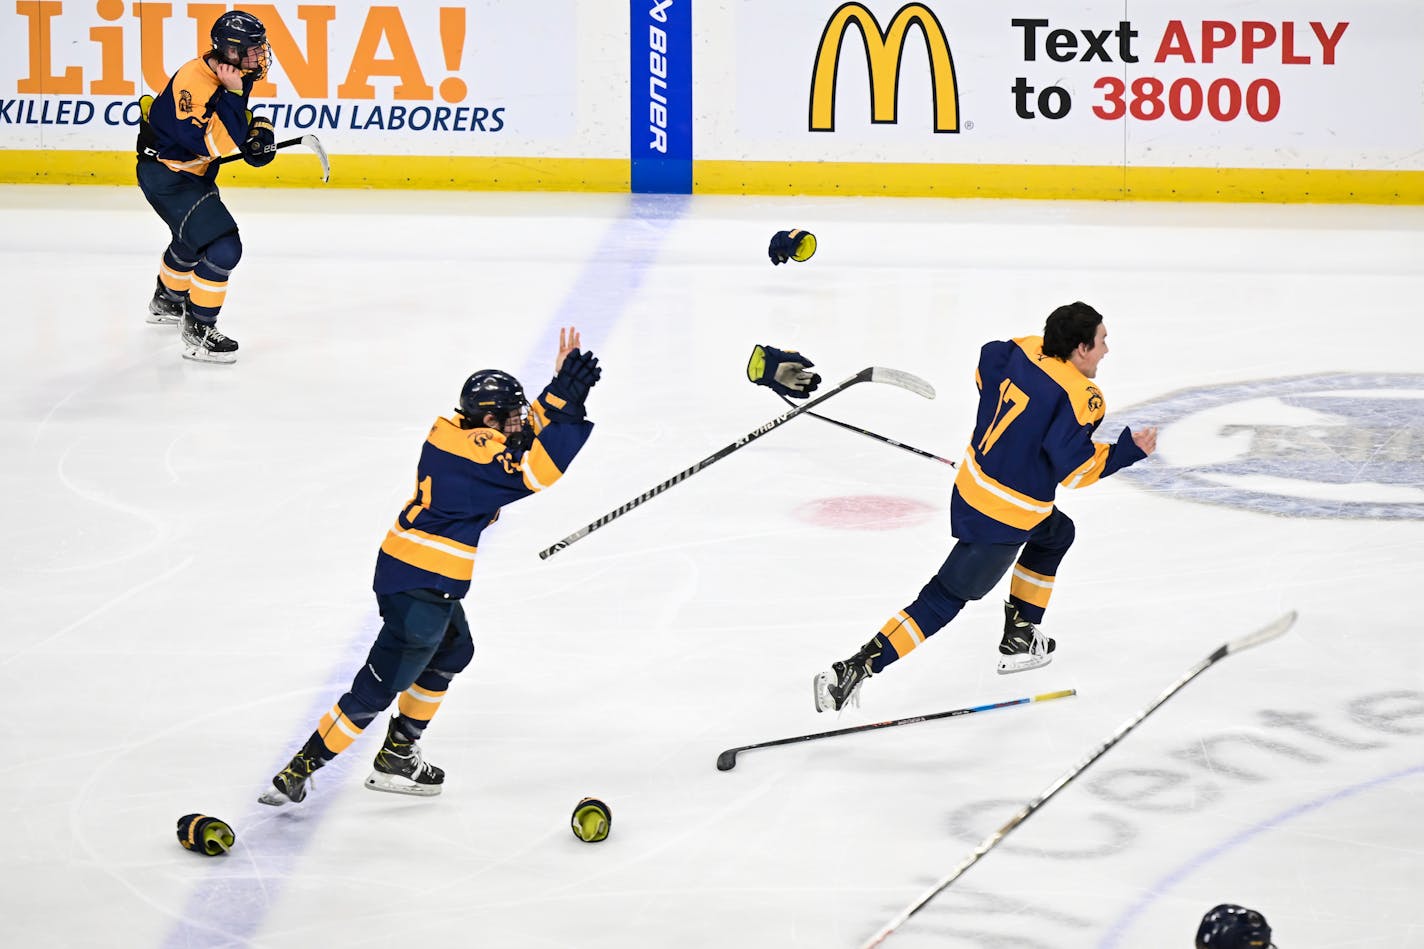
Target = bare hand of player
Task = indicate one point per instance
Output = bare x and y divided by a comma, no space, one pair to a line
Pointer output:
568,342
229,76
1146,439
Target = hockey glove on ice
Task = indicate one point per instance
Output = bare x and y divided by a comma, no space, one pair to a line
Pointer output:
205,835
783,371
261,145
794,244
579,373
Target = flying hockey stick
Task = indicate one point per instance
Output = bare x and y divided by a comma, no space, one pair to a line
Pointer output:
869,434
310,141
1263,635
894,377
727,760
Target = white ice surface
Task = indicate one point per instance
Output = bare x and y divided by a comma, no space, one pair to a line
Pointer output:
185,585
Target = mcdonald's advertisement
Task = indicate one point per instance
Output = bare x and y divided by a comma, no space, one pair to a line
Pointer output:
437,78
1300,83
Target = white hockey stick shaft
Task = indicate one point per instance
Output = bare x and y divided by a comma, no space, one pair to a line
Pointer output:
1263,635
894,377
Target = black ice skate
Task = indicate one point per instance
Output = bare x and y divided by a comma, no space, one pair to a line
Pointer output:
400,769
839,687
166,306
1024,646
204,343
290,784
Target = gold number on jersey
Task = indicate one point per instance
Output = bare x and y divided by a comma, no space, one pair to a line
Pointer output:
420,502
1012,402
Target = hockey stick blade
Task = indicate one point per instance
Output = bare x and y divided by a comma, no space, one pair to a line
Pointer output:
905,380
727,760
310,141
1265,634
892,377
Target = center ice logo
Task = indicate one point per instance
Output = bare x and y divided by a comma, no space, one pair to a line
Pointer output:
1342,446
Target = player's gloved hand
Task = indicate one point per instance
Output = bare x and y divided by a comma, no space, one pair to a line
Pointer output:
205,835
794,244
784,371
579,373
261,145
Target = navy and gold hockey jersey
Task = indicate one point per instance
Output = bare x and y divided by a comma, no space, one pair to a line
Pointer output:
195,121
1034,431
464,477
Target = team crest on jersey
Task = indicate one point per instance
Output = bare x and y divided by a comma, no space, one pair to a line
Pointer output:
1337,446
185,101
1095,399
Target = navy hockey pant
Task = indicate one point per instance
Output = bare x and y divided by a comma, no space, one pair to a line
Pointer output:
423,643
204,248
969,572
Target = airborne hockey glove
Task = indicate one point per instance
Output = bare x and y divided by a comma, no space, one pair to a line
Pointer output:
785,372
261,145
794,244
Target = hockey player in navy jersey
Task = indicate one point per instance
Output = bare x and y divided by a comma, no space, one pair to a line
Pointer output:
201,116
495,449
1038,409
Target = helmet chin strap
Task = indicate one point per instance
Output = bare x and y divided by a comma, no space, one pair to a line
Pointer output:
521,441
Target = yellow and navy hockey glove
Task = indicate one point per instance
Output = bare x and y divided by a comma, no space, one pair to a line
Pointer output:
579,373
783,371
205,835
794,244
261,145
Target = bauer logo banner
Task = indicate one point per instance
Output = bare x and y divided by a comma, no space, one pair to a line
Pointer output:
1342,446
1149,82
415,78
660,95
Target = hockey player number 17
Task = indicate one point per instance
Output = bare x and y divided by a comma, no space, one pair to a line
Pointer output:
1012,402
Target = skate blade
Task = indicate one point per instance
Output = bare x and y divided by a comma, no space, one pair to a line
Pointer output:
1011,664
821,692
274,797
395,784
202,355
163,319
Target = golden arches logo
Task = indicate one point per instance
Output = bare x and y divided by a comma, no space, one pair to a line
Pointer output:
883,52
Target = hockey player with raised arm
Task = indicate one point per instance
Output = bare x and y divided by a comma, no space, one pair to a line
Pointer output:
1038,409
494,450
200,117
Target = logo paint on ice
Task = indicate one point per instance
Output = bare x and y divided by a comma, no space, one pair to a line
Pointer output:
1341,446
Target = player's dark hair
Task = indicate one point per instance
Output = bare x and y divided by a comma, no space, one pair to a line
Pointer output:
1069,325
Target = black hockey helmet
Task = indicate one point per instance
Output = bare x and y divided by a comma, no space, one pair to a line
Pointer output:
492,392
234,34
1229,926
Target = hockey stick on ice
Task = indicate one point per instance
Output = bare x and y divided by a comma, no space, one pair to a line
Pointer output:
892,377
310,141
869,434
727,760
1262,635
